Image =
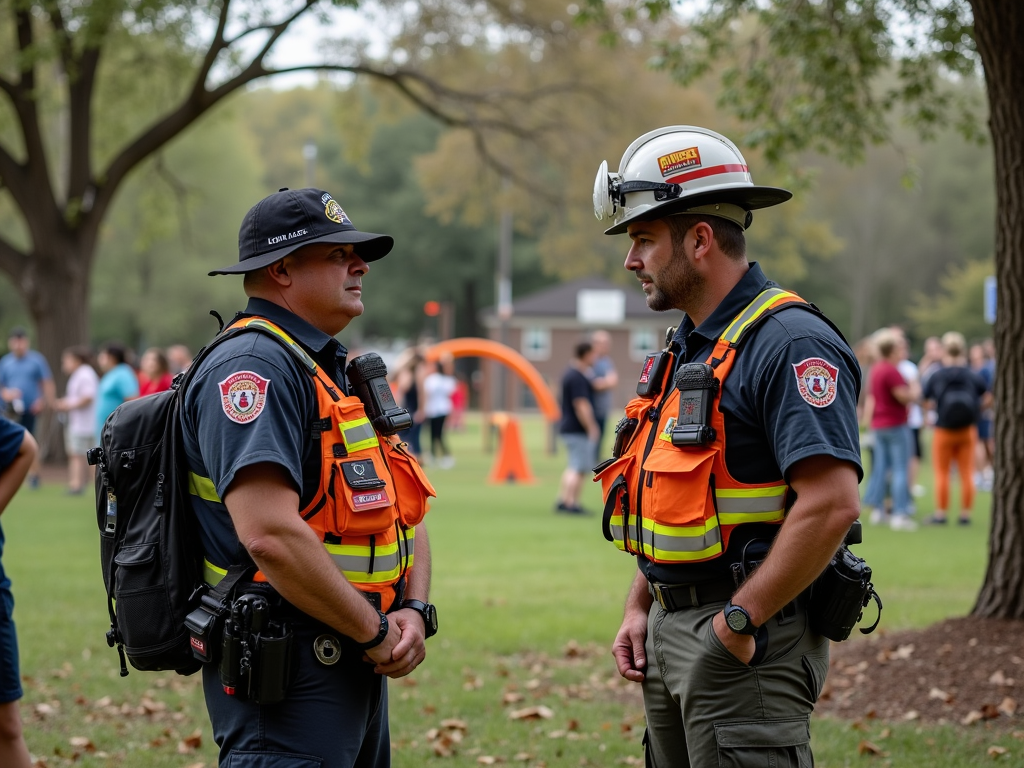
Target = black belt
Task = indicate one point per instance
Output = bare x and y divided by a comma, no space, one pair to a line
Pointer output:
673,597
265,589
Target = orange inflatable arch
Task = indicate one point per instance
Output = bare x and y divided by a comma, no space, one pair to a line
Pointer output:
493,350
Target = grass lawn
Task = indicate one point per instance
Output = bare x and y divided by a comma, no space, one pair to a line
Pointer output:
528,602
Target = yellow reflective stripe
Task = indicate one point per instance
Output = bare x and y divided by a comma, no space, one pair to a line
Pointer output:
738,518
202,487
299,351
358,435
762,303
212,574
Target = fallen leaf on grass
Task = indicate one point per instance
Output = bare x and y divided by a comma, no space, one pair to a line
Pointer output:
1008,706
936,693
998,678
524,757
885,734
196,765
454,724
486,760
531,713
191,742
911,714
82,742
511,697
996,752
572,649
972,717
867,748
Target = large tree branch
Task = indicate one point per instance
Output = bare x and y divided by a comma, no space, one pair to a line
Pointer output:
60,31
217,45
28,114
12,261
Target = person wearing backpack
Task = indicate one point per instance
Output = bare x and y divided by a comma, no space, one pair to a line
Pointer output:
287,468
957,394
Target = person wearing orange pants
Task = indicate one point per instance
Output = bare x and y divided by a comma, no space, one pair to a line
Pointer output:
949,445
957,394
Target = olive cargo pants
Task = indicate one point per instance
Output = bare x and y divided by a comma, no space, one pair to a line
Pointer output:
707,708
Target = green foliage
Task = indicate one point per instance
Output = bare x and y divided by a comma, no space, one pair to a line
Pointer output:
959,306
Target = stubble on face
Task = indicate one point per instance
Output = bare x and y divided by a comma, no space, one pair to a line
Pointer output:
677,286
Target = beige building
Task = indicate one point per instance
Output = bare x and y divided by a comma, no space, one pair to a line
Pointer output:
545,327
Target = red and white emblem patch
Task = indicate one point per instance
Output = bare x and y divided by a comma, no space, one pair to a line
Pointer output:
243,395
817,380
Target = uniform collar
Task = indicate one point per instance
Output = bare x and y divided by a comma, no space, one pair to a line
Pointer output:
744,292
326,350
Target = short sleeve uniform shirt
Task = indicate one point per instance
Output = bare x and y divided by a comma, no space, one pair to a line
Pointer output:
250,402
769,424
11,437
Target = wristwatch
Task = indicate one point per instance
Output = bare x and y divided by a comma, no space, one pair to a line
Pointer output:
738,620
427,611
384,627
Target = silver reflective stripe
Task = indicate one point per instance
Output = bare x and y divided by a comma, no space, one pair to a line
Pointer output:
752,309
664,543
358,433
382,564
734,504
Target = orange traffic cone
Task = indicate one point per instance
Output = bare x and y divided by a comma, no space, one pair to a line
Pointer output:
510,466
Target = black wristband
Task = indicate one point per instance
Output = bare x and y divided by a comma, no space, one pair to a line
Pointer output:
384,627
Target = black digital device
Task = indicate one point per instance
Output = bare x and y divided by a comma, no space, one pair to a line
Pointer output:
368,376
697,387
651,375
624,431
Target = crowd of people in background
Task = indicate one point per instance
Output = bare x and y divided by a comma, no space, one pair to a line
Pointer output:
95,387
949,392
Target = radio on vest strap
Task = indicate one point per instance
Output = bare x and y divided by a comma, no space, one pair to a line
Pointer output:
697,387
368,376
652,373
623,434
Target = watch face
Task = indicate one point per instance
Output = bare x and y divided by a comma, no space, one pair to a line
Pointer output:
737,621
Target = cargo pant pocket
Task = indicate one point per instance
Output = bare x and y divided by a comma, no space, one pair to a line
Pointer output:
238,759
784,743
816,667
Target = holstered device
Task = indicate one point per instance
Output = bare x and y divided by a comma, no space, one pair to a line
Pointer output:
697,387
652,373
256,652
368,376
624,431
842,591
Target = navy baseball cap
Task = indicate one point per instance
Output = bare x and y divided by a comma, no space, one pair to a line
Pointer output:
290,219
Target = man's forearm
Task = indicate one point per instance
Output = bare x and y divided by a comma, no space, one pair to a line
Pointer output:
14,474
639,599
418,579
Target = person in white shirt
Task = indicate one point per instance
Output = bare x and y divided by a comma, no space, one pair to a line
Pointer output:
915,417
79,405
438,388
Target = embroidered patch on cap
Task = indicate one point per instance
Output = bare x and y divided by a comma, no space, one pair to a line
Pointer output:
333,211
243,395
817,380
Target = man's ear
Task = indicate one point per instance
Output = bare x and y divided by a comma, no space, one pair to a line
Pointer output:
278,272
703,239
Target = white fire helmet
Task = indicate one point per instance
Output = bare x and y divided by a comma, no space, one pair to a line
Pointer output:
680,169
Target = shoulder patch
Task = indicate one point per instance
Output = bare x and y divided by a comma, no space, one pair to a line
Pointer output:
243,395
817,380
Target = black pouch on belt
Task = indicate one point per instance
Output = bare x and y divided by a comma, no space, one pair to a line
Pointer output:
205,624
271,664
839,596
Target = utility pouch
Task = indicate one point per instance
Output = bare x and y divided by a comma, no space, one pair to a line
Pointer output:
204,626
840,594
271,665
652,374
623,434
697,387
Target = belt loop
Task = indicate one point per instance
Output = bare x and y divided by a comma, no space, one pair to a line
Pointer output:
693,596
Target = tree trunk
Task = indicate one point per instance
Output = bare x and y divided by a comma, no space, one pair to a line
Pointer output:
55,286
999,28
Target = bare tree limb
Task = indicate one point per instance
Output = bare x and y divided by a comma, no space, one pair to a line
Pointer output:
12,261
61,33
217,45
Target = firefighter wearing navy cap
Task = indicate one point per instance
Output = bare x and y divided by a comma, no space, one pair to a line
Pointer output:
736,468
286,468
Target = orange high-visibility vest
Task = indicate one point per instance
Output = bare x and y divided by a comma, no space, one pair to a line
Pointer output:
372,492
679,504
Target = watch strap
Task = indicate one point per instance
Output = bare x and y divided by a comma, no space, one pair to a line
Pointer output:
425,610
381,634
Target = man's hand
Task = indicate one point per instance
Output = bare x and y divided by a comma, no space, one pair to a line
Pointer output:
382,653
410,651
10,394
628,647
740,646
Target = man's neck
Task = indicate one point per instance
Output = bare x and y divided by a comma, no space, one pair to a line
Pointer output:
716,288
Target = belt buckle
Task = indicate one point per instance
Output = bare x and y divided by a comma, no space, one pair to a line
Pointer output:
664,598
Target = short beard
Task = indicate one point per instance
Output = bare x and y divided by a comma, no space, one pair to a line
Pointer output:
681,286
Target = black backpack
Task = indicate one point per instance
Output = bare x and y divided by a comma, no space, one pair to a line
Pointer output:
958,405
149,539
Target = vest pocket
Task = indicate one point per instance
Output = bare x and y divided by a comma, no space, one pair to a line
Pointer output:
412,487
679,519
617,478
364,497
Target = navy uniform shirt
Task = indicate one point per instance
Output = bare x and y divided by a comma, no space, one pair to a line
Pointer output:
769,424
251,401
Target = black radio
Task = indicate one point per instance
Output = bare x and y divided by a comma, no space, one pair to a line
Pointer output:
697,387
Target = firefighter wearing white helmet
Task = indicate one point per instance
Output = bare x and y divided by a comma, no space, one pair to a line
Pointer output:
734,479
